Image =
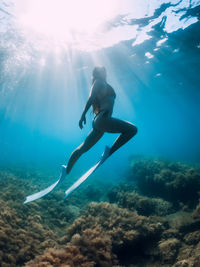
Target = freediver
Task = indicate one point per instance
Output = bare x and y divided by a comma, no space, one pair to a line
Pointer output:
101,98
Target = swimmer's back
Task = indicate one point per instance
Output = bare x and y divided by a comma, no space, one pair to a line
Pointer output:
104,96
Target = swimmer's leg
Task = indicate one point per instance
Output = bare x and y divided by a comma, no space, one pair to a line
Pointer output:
112,125
92,138
124,137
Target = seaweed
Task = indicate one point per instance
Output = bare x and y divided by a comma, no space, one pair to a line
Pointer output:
134,229
173,181
143,205
107,236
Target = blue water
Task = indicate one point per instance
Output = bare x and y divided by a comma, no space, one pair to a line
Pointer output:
151,50
156,79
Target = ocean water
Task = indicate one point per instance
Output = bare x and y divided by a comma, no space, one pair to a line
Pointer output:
151,50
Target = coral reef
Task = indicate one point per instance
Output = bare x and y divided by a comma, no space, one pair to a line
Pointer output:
132,230
196,213
127,197
105,235
38,225
174,182
21,240
53,210
27,230
180,244
169,249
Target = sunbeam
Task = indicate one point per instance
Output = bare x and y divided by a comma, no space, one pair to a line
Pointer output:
65,21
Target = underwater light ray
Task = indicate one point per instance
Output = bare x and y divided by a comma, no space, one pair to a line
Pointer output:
64,19
133,66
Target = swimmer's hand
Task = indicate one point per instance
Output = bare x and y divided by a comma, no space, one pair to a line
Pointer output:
82,120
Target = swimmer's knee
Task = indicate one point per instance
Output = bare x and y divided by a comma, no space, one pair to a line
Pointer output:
133,130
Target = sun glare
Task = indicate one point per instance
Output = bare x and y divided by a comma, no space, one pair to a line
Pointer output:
65,20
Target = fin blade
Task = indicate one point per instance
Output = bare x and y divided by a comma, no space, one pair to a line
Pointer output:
81,180
41,194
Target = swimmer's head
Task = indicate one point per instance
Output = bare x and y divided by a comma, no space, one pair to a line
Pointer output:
99,73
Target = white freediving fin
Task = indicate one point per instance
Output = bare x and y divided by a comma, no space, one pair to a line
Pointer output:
104,156
80,180
47,190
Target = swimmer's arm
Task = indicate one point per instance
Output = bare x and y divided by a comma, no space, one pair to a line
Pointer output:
90,101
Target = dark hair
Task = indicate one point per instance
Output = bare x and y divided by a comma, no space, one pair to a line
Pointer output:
98,73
